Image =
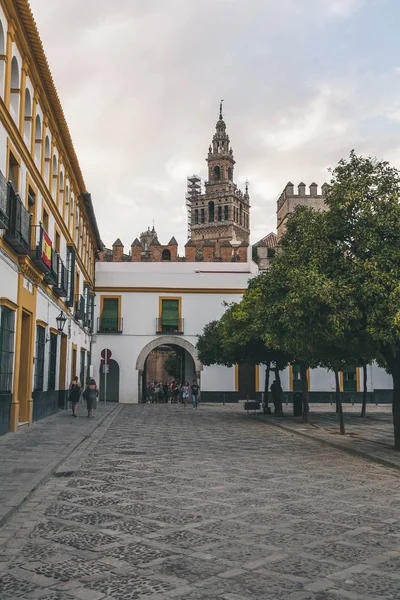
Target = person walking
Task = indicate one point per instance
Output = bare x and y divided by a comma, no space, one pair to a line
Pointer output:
195,389
185,393
90,394
74,394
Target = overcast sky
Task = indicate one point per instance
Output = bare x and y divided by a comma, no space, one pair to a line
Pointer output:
304,82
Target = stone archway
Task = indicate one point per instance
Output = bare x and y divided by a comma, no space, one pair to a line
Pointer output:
165,340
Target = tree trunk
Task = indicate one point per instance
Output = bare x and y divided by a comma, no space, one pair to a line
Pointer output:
266,388
278,405
364,400
304,385
339,403
396,406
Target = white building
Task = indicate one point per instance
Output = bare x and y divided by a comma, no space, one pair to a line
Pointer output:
134,314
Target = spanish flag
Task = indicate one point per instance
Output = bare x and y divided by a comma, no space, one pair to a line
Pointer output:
46,249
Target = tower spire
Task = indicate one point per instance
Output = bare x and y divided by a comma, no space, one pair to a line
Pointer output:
220,111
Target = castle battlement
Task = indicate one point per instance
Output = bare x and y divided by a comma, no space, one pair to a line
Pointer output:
290,199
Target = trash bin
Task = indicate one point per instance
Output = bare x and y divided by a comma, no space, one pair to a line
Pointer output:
297,404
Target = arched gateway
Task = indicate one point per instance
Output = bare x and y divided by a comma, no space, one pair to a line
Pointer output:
165,340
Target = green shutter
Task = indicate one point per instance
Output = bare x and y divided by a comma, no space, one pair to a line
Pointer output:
109,316
349,379
170,313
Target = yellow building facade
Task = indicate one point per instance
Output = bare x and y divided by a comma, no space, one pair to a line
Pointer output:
48,233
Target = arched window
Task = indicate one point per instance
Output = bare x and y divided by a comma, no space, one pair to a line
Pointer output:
55,178
202,216
217,173
28,118
66,204
46,159
226,213
61,192
15,89
2,59
219,213
196,216
166,255
211,209
241,215
38,141
230,173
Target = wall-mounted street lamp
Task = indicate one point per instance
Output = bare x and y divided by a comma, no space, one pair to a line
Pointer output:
61,319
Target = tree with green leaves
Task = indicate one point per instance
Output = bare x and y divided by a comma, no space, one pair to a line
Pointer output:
173,365
363,202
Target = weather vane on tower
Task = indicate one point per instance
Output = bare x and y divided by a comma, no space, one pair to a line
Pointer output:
220,110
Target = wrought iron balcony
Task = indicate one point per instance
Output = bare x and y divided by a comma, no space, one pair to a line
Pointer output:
4,202
62,280
172,327
51,277
18,234
42,250
109,324
79,307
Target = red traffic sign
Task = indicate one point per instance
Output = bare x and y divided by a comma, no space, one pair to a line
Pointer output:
106,354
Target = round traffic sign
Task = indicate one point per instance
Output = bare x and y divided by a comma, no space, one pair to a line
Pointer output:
106,353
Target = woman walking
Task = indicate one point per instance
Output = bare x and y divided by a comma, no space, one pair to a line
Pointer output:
90,394
74,395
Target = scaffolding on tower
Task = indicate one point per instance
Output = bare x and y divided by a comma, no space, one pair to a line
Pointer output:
193,193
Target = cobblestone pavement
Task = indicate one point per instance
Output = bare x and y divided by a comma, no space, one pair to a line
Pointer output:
207,504
371,436
31,454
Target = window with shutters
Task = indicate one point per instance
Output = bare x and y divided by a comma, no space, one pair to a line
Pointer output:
7,331
349,375
170,316
39,358
110,320
52,362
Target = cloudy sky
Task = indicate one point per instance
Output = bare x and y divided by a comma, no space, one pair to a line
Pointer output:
304,82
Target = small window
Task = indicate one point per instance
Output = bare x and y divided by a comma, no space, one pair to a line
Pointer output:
219,213
270,252
13,171
45,221
202,216
296,377
7,330
109,320
166,255
230,173
170,321
39,358
211,210
57,242
226,213
52,362
217,173
196,217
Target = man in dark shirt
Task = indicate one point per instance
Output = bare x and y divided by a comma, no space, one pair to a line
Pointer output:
195,393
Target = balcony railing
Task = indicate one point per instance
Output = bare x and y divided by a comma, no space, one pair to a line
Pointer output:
62,280
42,254
174,327
4,202
18,234
51,277
109,324
79,307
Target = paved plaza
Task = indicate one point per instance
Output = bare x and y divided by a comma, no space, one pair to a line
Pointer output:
163,502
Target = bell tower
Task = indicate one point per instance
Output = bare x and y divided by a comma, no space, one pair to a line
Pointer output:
222,212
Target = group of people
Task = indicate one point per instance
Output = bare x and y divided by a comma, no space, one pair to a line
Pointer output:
90,394
158,393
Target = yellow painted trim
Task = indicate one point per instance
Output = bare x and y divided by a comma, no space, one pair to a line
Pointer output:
53,330
341,383
110,298
8,303
56,230
358,375
22,97
41,323
10,148
155,290
236,378
257,378
290,377
160,301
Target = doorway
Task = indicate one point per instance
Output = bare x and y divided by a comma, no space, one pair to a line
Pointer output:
63,361
247,381
24,384
112,382
73,363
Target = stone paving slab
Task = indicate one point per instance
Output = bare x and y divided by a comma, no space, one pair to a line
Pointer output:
205,504
369,437
31,455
